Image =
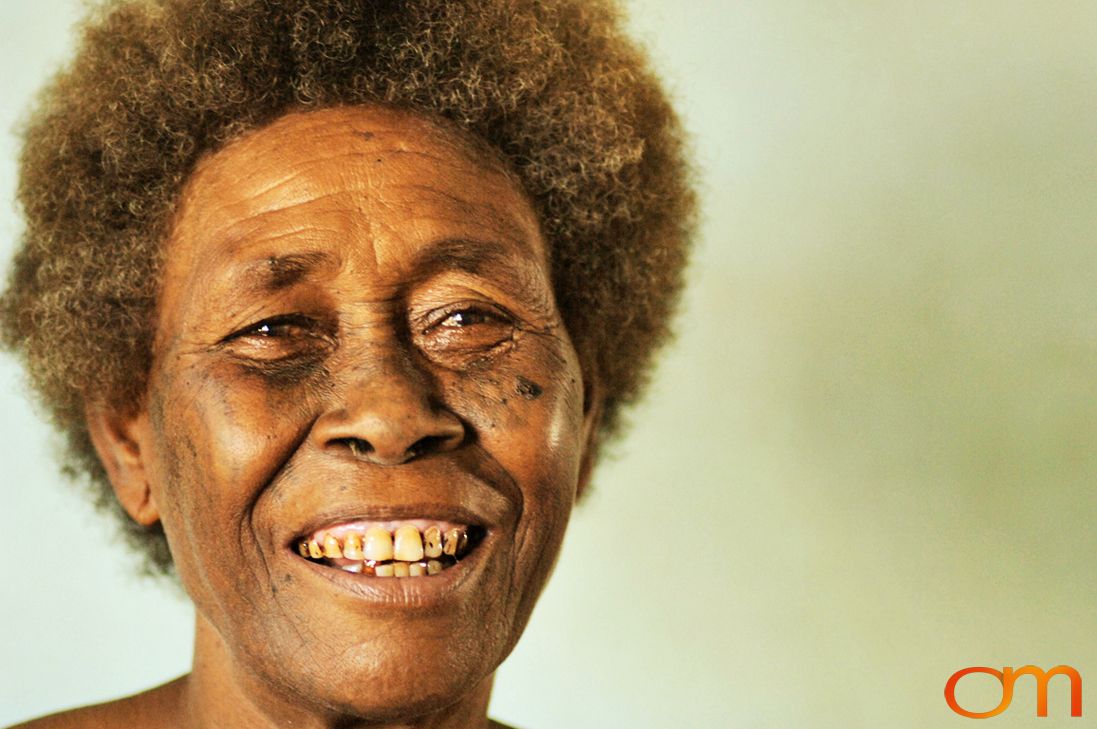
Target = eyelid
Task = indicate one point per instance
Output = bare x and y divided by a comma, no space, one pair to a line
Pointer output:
295,319
436,317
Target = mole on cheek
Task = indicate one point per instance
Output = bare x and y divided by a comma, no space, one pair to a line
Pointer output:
528,389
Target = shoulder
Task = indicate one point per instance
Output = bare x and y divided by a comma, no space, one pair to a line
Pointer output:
149,710
91,717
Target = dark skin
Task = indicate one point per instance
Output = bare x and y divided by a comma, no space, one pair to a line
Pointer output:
354,275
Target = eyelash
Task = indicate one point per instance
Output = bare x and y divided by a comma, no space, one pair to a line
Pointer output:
482,314
283,320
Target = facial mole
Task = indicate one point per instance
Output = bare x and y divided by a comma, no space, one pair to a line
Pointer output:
366,135
528,389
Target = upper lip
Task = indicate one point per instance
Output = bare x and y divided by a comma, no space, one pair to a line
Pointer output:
454,513
441,489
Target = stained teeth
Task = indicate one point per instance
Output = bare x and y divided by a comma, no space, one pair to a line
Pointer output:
384,570
331,547
432,542
408,545
378,544
380,553
352,546
453,536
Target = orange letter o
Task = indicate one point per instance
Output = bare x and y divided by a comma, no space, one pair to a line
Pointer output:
950,693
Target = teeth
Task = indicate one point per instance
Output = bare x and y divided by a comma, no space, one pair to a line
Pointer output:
408,545
453,536
432,542
331,547
404,553
384,570
352,546
378,544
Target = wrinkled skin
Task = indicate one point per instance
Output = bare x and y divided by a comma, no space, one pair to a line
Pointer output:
354,273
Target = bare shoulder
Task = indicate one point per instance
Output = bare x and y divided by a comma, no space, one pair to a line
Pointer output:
148,710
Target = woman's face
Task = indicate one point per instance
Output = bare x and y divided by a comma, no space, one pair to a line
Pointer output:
357,328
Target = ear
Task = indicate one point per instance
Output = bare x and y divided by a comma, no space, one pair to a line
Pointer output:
592,420
118,440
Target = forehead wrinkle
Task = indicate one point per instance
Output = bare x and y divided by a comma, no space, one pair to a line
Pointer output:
263,180
363,195
361,159
243,241
239,235
490,261
361,189
509,234
462,254
499,213
462,219
293,187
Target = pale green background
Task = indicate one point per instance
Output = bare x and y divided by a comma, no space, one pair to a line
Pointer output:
868,462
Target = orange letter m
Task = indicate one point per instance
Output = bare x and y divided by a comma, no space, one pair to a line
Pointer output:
1042,679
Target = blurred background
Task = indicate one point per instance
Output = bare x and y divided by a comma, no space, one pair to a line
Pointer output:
868,461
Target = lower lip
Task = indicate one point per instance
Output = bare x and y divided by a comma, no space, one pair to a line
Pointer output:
425,591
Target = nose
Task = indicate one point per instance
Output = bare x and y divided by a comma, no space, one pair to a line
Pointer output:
388,417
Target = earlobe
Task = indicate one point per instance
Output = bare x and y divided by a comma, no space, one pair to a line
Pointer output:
118,440
592,420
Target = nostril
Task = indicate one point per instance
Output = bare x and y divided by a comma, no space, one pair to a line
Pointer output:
430,443
390,432
357,446
362,449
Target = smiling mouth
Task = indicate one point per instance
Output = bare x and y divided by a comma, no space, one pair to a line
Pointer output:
387,549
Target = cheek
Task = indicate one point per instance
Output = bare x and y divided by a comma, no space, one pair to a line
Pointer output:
220,440
527,413
528,417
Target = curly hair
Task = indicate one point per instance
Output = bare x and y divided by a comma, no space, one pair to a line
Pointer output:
560,92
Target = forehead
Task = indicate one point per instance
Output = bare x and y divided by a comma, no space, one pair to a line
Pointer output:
366,186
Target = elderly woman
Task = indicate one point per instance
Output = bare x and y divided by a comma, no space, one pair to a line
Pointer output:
337,301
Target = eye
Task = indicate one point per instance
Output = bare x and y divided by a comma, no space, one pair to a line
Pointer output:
279,337
284,325
464,330
467,318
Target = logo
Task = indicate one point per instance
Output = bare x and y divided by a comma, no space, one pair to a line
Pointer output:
1007,676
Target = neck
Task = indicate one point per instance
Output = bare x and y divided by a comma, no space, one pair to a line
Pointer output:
218,693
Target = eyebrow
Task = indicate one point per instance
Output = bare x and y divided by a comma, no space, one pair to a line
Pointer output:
276,273
476,257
